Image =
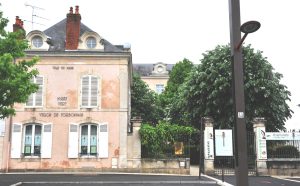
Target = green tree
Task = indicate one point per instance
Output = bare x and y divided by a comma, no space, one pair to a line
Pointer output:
158,141
144,101
176,78
15,75
208,90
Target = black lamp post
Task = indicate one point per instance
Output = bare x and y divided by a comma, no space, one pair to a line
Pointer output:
240,132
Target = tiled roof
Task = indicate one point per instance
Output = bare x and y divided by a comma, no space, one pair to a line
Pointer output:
57,34
146,69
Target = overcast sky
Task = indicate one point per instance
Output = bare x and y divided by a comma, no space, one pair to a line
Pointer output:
170,30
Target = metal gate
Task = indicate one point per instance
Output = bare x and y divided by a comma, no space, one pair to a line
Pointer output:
225,164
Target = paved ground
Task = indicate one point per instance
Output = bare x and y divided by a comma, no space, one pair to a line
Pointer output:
115,179
102,179
253,180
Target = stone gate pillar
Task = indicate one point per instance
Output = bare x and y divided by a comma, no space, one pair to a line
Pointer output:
208,145
134,144
261,145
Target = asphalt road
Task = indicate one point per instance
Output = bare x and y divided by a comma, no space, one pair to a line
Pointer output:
265,180
91,179
101,179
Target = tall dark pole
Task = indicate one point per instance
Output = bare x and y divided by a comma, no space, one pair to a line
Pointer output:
240,134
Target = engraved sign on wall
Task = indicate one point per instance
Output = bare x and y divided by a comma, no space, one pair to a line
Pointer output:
209,143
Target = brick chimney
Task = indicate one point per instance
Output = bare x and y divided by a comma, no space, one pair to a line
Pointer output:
19,26
73,29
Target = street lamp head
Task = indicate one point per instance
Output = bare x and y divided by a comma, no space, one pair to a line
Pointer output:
250,27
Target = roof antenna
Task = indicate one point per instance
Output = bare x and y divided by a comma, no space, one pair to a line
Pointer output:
34,15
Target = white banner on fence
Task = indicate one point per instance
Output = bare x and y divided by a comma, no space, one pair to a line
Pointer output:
209,143
283,135
261,143
223,139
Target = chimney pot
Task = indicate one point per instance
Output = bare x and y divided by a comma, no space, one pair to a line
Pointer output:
71,10
77,9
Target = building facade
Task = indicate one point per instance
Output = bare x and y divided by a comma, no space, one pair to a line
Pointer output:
155,76
79,116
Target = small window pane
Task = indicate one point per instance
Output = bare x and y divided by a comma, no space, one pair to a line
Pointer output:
37,41
91,42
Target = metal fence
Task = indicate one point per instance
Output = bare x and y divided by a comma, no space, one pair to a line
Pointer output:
283,149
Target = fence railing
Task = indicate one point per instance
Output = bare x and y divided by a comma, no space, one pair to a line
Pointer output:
283,149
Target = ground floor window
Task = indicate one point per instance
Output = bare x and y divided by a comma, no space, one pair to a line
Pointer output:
88,139
32,140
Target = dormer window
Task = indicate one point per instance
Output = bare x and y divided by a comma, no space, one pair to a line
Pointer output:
91,42
37,41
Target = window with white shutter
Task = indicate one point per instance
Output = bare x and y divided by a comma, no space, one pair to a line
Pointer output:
36,99
89,91
73,141
16,141
46,141
103,140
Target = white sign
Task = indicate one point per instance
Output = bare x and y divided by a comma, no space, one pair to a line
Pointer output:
223,142
2,127
209,143
283,135
261,143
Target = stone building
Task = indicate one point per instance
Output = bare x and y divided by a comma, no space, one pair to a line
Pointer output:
79,117
154,75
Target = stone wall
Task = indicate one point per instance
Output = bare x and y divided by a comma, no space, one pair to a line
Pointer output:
286,167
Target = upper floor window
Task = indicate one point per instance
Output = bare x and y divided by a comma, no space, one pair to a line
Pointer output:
91,42
159,88
37,41
89,91
36,99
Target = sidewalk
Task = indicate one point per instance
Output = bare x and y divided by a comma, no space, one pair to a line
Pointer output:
194,171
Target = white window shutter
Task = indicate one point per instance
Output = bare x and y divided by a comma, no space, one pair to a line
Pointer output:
85,91
73,141
29,102
39,93
16,141
46,141
103,140
94,91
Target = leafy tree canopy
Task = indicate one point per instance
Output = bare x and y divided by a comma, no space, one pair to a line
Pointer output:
208,90
15,77
177,77
144,101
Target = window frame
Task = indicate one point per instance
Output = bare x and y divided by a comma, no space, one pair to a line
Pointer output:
34,95
89,136
90,96
159,88
33,138
40,41
91,42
